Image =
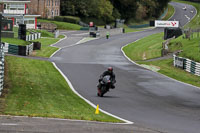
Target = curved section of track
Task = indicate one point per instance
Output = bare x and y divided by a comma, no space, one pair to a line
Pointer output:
141,96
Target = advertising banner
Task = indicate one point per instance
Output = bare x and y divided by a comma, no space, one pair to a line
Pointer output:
172,24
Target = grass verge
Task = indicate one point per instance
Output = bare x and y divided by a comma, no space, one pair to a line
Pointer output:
146,48
62,25
15,41
167,68
191,48
36,88
46,49
170,12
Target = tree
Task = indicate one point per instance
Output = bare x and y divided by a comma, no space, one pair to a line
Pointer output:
108,10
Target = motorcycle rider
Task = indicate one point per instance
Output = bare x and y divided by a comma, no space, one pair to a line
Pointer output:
112,78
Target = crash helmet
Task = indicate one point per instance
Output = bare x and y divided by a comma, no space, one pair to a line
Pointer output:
110,69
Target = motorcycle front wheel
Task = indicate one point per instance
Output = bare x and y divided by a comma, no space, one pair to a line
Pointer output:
103,91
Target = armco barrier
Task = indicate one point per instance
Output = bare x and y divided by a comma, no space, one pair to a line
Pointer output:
187,65
1,68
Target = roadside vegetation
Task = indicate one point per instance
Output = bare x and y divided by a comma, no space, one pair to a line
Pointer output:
190,50
62,25
46,49
151,47
35,88
15,41
170,12
146,48
166,67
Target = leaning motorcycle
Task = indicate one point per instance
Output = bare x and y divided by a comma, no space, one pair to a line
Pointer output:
105,85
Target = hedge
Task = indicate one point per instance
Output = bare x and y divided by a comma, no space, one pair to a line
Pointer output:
69,19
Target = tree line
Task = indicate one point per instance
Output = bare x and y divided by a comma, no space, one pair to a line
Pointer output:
109,10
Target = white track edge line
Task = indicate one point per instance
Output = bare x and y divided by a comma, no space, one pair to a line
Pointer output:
90,103
193,16
151,70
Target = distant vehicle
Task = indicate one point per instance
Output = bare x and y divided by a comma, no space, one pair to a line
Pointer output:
184,8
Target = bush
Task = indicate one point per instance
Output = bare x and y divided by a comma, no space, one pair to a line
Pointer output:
69,19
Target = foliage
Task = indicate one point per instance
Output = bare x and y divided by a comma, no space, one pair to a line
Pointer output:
46,49
108,10
36,88
146,48
191,48
45,33
167,68
15,41
69,19
62,25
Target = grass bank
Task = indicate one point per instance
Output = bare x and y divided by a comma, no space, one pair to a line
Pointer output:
46,49
62,25
15,41
150,47
190,47
170,12
135,52
166,67
146,48
36,88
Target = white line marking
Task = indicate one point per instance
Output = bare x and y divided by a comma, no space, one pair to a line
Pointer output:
173,13
151,70
80,34
90,103
193,16
9,124
59,41
52,45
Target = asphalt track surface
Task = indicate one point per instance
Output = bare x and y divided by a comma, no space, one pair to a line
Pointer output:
155,103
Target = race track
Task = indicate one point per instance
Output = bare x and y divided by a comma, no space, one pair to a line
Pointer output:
141,96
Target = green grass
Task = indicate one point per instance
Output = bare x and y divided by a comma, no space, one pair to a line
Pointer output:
15,29
195,23
191,48
36,88
61,36
167,68
15,41
62,25
46,49
170,12
146,48
45,33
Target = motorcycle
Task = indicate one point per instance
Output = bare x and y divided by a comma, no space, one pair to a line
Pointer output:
105,85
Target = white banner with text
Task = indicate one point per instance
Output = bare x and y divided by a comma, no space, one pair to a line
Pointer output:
159,23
